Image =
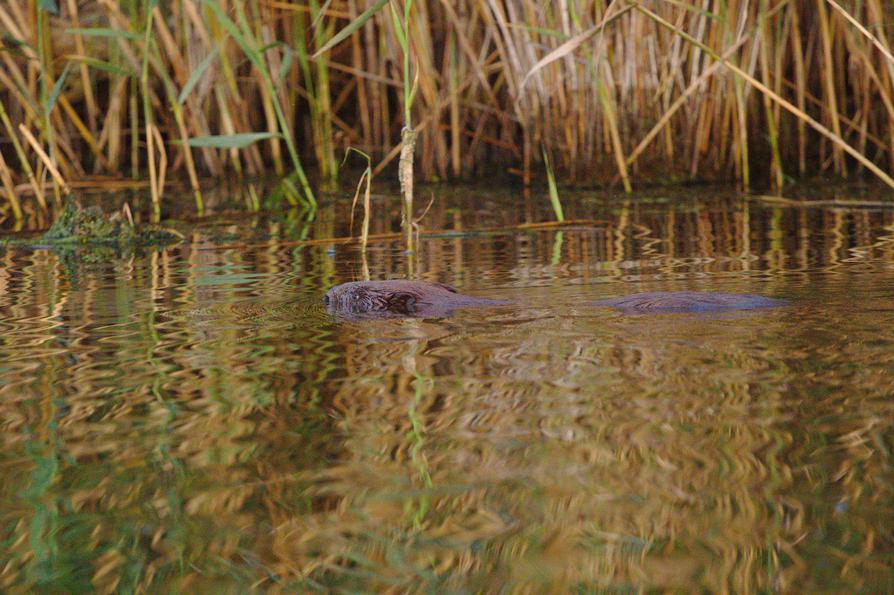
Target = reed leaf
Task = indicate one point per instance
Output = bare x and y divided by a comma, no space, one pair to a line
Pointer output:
249,47
229,141
50,102
554,199
103,32
103,65
863,30
49,6
196,75
572,44
351,28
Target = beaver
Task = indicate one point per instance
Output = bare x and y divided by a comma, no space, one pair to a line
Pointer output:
398,298
689,301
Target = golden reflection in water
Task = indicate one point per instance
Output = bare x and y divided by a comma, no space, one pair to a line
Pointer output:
192,419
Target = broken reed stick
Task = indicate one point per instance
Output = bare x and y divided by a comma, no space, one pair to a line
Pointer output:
9,190
405,175
51,167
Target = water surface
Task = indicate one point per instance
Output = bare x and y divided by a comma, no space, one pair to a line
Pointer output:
192,418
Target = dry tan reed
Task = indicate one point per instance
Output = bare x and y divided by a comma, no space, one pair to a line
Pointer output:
627,91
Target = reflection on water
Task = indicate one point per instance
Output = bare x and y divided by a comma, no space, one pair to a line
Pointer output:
193,419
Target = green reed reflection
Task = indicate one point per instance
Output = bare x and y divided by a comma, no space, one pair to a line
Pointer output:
417,509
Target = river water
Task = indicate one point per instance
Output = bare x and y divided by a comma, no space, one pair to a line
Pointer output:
191,418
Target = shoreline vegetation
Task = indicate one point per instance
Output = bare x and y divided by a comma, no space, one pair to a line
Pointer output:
620,91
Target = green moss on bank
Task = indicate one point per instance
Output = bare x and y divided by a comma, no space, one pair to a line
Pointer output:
87,235
91,227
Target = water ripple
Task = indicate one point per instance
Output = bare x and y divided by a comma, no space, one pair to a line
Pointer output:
193,419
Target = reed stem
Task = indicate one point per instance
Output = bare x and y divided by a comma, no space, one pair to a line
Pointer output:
497,81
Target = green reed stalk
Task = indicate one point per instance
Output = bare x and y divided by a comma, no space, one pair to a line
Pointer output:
253,50
46,70
148,120
777,176
553,189
408,135
316,85
609,110
741,109
452,56
229,110
133,110
828,71
409,91
329,165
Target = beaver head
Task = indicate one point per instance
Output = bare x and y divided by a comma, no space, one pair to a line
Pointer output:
388,298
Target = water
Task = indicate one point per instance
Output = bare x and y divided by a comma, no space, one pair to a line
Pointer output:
192,419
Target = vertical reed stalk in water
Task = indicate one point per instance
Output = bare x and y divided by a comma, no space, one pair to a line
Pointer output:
797,51
148,120
408,135
829,82
367,177
740,107
776,174
553,189
316,87
328,163
401,26
46,75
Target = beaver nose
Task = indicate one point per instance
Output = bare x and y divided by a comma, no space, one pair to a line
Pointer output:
326,299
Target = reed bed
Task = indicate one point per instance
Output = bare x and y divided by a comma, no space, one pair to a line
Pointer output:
610,91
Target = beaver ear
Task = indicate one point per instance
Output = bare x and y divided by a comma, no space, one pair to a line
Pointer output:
401,302
449,288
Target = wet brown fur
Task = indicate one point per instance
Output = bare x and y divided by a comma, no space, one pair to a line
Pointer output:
398,297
